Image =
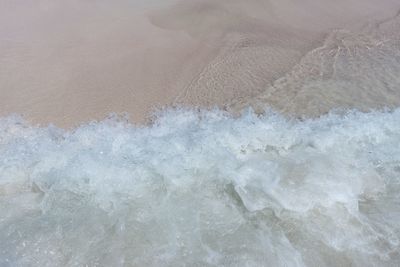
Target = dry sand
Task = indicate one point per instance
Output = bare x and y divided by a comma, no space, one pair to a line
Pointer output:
67,62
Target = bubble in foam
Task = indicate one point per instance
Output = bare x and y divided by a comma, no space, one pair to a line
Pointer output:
202,189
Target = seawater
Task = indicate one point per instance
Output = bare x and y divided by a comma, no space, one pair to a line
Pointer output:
202,188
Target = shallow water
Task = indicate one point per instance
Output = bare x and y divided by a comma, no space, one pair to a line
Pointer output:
205,188
349,70
202,189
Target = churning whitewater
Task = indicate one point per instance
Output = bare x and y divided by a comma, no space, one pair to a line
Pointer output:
202,188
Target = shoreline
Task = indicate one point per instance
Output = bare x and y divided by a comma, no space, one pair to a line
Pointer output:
104,58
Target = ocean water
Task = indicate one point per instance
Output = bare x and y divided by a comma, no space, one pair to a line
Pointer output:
349,69
202,188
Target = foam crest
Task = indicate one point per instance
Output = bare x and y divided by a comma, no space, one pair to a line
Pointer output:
202,189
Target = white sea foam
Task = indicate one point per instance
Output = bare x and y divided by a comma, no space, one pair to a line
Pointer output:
202,189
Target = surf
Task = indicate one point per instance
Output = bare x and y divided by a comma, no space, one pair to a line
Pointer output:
202,188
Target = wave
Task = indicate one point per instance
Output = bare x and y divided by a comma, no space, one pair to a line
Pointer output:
202,188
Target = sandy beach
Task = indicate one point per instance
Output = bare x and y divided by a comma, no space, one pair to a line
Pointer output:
275,142
68,62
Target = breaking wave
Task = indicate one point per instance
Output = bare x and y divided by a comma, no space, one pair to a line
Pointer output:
202,189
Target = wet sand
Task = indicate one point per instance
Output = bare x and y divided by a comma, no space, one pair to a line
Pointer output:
68,62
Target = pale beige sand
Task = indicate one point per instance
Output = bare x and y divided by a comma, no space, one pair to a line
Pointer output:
68,62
